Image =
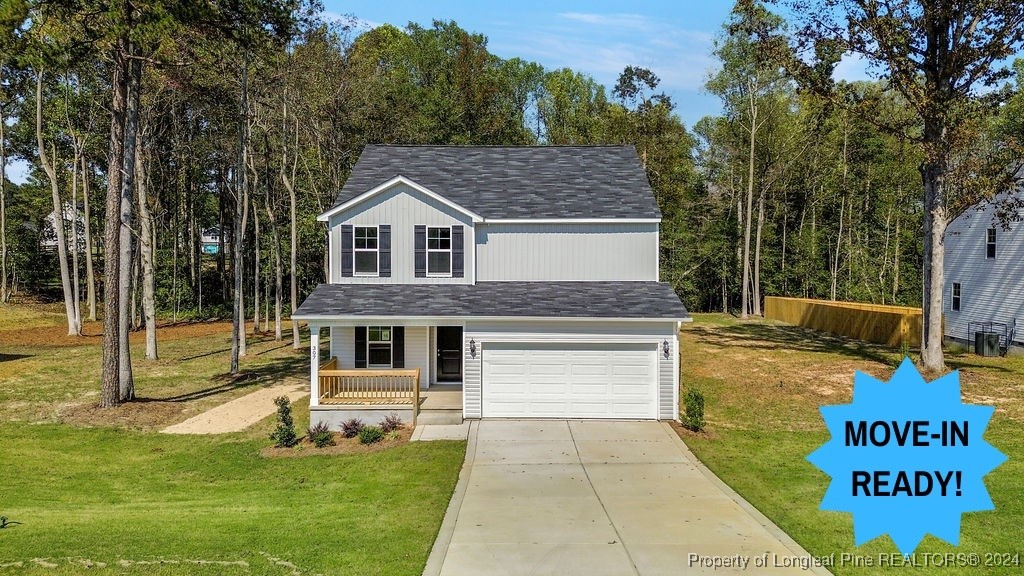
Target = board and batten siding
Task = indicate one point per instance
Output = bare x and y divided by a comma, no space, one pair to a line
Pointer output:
653,333
417,355
990,288
566,252
402,208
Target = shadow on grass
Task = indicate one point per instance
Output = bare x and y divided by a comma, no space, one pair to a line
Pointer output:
9,357
758,336
271,373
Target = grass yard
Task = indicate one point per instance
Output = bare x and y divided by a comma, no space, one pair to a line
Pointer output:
103,491
763,384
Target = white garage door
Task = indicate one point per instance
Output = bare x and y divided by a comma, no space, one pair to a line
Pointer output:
569,380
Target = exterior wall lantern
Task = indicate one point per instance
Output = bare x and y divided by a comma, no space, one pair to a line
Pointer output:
472,348
665,348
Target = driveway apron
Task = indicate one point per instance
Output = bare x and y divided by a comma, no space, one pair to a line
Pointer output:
598,497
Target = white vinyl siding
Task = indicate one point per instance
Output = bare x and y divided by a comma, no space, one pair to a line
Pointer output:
403,208
343,346
538,252
989,287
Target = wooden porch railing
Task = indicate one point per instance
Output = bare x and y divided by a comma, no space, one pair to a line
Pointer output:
369,386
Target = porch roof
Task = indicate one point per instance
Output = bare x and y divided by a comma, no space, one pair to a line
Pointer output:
507,300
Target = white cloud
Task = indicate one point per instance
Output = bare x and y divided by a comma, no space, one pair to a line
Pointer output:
635,21
852,68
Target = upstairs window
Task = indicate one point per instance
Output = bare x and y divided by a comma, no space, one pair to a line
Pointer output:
990,243
955,297
378,346
365,250
439,251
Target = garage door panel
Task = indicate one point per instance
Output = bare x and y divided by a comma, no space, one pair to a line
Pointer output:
561,380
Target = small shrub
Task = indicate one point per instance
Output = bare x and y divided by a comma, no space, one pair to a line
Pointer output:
284,435
391,423
393,435
351,428
370,434
693,418
320,435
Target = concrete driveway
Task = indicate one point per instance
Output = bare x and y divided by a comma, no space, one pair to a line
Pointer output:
598,497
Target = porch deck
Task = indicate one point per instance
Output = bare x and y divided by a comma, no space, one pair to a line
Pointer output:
349,389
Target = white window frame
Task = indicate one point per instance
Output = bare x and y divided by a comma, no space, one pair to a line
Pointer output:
376,253
390,342
990,243
430,250
956,296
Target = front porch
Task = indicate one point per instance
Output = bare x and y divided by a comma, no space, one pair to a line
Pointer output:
372,394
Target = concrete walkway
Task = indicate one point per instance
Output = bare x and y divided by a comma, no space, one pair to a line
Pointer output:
240,413
592,498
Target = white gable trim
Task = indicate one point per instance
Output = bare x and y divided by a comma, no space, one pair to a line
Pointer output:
572,220
391,183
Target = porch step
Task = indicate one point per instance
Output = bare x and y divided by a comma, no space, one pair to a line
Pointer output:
439,416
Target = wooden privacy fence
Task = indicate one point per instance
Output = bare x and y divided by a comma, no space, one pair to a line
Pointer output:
878,323
361,386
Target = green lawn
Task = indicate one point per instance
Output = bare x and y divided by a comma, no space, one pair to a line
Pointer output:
106,490
763,384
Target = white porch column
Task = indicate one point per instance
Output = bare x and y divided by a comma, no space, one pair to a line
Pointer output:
314,365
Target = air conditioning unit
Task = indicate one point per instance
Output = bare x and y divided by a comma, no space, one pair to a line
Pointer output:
986,343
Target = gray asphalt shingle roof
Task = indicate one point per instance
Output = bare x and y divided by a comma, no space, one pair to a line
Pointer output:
516,181
653,300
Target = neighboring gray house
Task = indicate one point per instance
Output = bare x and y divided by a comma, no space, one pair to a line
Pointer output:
522,279
984,274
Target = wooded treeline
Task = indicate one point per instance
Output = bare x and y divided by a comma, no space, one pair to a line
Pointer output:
176,118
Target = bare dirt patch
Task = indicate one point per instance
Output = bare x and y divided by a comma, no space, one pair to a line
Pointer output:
342,445
92,333
139,414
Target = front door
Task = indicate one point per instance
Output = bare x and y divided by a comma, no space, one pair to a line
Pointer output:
449,353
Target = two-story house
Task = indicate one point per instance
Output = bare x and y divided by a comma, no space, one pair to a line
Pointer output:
527,277
984,272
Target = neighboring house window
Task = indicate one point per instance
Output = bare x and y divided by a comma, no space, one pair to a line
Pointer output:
955,297
990,243
378,346
365,249
439,251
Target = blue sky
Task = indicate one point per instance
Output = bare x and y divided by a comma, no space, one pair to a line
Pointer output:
598,38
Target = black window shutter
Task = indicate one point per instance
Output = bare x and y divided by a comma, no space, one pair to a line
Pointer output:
420,245
346,250
398,346
360,347
458,258
384,251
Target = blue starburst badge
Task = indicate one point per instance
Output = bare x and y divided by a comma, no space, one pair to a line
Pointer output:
907,458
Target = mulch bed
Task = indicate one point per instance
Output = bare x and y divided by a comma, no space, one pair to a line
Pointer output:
342,445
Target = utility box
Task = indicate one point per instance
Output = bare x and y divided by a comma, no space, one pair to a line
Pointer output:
986,343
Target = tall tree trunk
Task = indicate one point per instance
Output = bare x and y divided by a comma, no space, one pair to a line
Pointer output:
147,236
278,272
757,254
839,242
90,274
58,212
256,255
750,209
111,388
935,222
241,207
896,263
76,286
133,85
4,291
289,184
